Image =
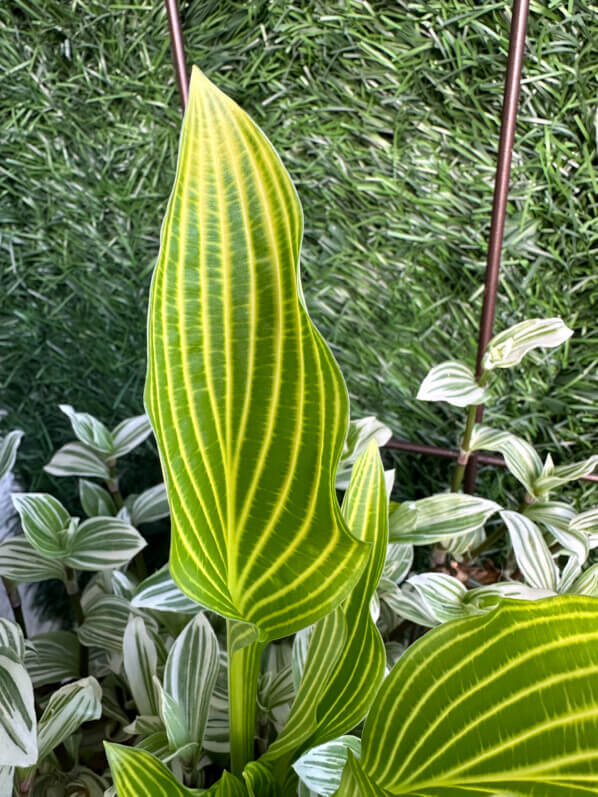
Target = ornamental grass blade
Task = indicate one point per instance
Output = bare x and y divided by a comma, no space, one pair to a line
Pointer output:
248,405
504,703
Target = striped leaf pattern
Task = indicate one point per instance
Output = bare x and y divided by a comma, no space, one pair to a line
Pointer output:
586,523
8,451
556,517
321,768
76,459
439,518
520,457
105,624
502,703
358,436
328,706
89,430
554,477
95,500
150,506
431,596
159,592
453,382
533,556
130,433
511,345
52,657
19,561
18,743
46,523
103,543
140,663
248,406
67,709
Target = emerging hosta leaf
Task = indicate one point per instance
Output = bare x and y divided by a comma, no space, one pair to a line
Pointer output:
52,657
76,459
504,703
19,561
46,523
89,430
8,451
95,500
533,557
454,383
439,517
556,476
151,505
103,543
248,406
511,345
321,767
358,436
18,745
159,592
130,433
520,457
68,708
331,702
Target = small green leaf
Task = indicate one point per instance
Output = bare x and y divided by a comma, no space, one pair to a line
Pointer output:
103,543
321,768
521,458
150,506
511,345
18,745
76,459
533,556
21,562
95,500
46,523
440,517
89,430
130,433
454,383
52,657
159,592
8,451
68,708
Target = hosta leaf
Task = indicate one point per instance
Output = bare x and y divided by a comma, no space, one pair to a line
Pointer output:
520,457
190,674
89,430
95,500
355,783
68,708
328,706
556,517
562,474
504,703
103,543
248,406
358,436
130,433
159,592
439,517
46,523
533,557
19,561
454,383
8,451
511,345
18,745
151,505
76,459
140,662
52,657
321,767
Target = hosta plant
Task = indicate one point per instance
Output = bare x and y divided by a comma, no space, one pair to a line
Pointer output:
264,659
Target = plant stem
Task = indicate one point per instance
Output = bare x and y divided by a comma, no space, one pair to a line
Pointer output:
243,674
459,471
113,486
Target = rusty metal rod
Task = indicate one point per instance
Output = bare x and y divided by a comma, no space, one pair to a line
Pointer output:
501,193
178,50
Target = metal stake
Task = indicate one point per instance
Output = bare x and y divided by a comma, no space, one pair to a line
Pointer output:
178,50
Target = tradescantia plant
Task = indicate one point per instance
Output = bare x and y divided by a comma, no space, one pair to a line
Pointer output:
267,658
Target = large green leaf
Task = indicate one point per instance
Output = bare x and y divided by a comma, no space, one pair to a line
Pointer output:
249,408
505,703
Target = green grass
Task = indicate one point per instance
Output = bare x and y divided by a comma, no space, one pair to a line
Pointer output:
387,116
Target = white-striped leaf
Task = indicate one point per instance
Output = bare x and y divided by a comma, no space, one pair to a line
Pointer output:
151,505
521,458
173,720
407,603
275,694
321,768
586,583
190,674
76,459
12,642
504,703
533,557
399,560
511,345
103,543
130,433
105,623
554,477
489,596
46,523
18,745
20,562
331,700
7,775
439,517
8,451
453,382
89,430
52,657
68,708
159,592
248,406
359,434
440,595
586,522
95,500
556,517
140,662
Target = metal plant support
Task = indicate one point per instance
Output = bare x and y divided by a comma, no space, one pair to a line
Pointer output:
499,206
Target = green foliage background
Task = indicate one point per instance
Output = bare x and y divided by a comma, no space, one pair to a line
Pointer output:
387,116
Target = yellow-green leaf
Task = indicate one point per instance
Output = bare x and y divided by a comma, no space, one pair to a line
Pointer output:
248,405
